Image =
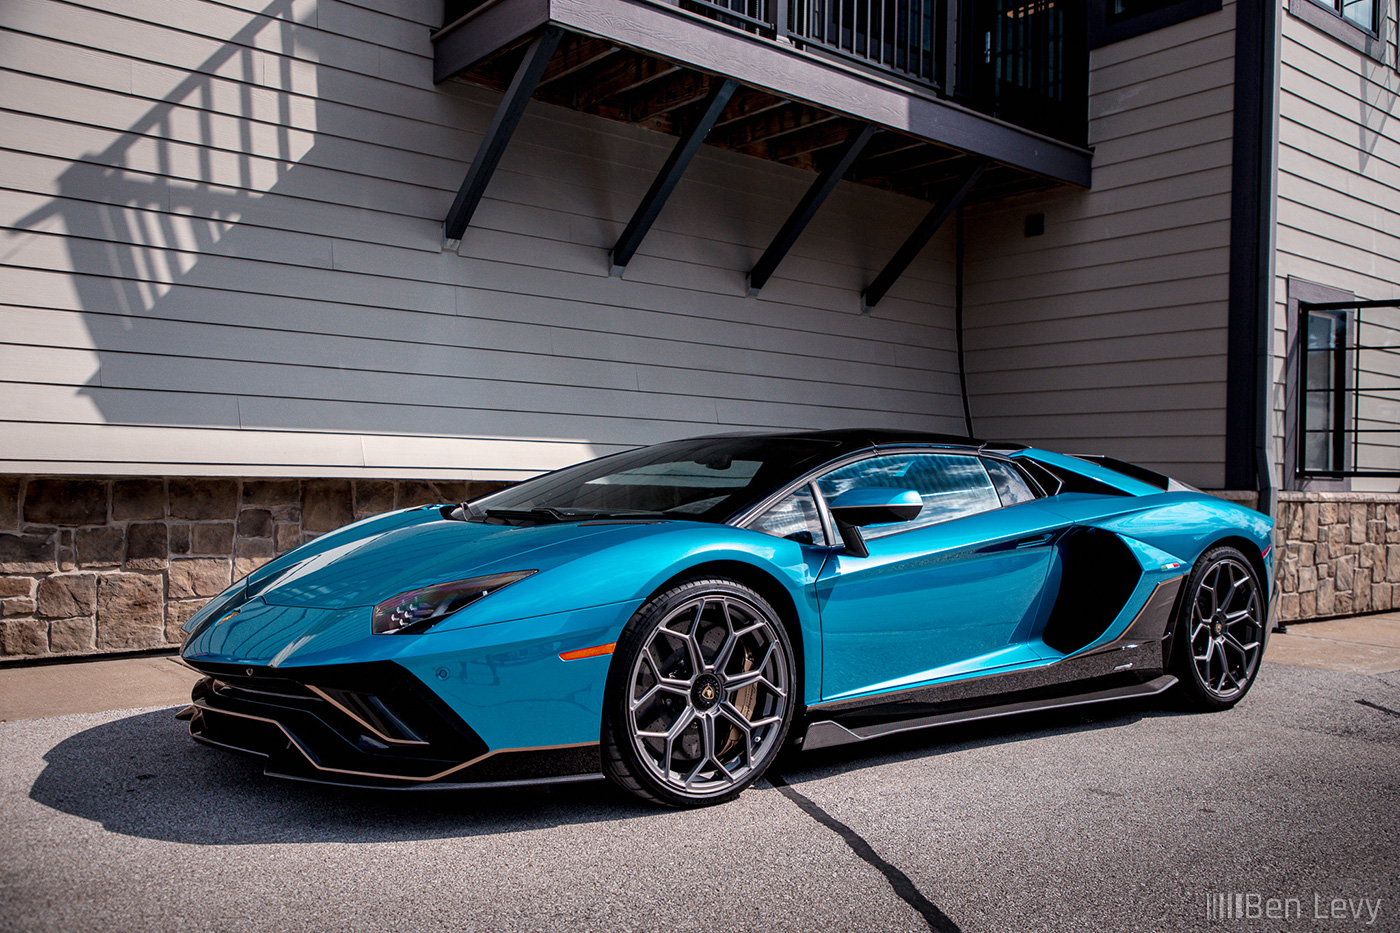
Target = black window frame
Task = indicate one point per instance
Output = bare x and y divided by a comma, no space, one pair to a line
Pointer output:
1342,441
1106,27
1325,17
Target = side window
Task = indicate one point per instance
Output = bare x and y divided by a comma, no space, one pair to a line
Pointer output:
794,517
1011,486
950,485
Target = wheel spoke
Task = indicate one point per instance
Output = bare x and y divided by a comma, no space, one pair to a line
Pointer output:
672,684
743,725
1243,649
692,642
658,666
758,675
682,721
726,651
1208,589
707,748
1234,588
674,687
695,773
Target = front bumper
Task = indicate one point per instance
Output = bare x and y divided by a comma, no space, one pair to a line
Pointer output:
370,724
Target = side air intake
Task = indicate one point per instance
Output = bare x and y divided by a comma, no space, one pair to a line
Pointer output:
1098,575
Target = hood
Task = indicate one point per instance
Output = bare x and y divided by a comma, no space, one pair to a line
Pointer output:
368,570
268,635
316,608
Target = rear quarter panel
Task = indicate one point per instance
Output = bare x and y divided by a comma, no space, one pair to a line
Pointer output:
1184,524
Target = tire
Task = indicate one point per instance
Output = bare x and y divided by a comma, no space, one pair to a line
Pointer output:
1220,630
700,695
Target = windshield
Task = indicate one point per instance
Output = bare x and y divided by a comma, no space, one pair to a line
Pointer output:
705,479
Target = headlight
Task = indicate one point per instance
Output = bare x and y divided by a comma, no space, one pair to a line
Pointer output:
418,610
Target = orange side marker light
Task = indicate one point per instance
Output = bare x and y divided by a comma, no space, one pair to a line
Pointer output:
594,652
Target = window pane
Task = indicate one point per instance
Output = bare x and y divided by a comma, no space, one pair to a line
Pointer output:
1010,485
1323,344
950,485
1360,12
794,517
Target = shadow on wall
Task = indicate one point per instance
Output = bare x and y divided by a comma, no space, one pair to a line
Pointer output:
1378,98
200,246
143,217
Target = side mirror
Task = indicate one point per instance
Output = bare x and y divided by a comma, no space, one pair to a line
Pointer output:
871,505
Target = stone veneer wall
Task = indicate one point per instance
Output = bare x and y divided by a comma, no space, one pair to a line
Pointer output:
91,565
1340,554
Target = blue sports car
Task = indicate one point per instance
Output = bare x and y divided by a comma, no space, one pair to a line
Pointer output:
671,616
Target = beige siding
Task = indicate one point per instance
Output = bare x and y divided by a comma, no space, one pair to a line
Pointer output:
1338,221
221,227
1108,333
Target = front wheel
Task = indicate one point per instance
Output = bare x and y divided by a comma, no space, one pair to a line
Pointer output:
1220,630
700,695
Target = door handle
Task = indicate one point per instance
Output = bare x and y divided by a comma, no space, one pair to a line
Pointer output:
1016,544
1034,540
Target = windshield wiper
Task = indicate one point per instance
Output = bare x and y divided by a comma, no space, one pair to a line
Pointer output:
540,516
464,512
544,515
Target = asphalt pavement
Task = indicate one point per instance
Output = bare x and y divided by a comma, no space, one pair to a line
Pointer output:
1277,815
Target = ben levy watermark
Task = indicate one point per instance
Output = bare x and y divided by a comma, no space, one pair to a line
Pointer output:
1251,905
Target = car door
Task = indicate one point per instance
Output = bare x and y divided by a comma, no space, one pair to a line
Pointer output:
954,591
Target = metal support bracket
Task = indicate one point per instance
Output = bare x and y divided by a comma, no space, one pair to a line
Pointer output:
921,235
669,175
503,124
806,209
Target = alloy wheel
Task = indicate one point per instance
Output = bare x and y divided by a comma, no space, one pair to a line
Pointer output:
708,694
1227,629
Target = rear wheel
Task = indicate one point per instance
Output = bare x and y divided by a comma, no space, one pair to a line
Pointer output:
700,695
1220,631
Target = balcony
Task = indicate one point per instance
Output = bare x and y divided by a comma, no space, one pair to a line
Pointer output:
1016,64
1022,60
948,101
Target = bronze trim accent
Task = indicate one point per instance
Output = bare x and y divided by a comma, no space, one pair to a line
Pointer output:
393,777
347,711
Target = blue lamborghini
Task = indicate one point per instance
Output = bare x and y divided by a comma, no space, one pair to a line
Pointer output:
670,617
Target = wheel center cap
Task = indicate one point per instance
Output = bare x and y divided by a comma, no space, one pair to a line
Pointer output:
706,692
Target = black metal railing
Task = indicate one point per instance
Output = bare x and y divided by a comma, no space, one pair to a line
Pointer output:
1349,379
760,16
903,37
1025,61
